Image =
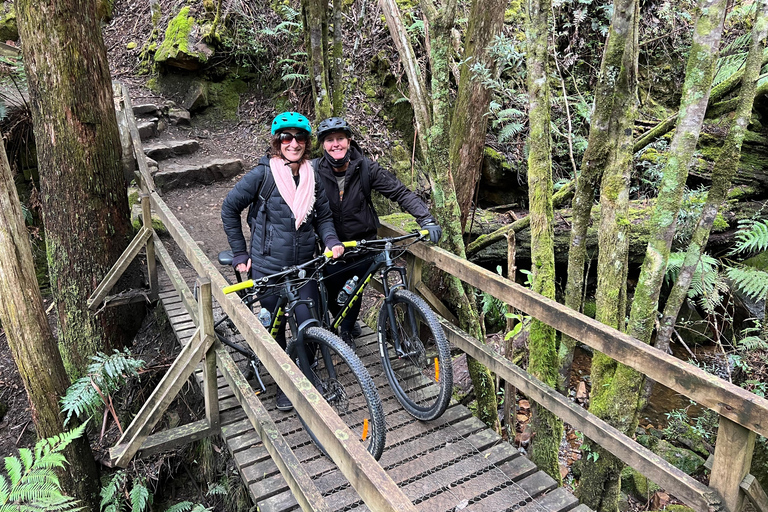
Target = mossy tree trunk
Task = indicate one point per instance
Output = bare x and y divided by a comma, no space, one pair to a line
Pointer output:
617,389
85,204
32,343
469,122
547,427
432,114
613,113
601,478
315,16
337,60
725,167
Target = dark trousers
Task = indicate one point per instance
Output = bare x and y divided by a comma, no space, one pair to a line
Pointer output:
336,274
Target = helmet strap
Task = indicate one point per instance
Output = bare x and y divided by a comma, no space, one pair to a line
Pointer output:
336,163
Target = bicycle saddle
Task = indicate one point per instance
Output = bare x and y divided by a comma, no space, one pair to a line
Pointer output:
226,257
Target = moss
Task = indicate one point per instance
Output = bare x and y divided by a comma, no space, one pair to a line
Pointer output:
176,41
685,460
9,30
590,308
133,198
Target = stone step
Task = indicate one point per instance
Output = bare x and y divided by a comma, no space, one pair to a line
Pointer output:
162,150
173,174
151,127
146,109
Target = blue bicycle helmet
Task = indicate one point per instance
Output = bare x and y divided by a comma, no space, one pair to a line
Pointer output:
290,120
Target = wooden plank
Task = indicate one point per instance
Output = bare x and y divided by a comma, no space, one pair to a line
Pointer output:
125,259
177,280
733,458
436,303
175,437
640,458
147,182
726,399
755,493
169,386
300,483
210,386
146,213
366,476
128,297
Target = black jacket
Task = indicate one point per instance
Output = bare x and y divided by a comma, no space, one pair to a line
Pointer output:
354,218
275,242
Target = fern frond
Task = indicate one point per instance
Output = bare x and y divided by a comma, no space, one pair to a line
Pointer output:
704,277
510,130
184,506
750,281
751,343
294,76
140,497
110,493
752,236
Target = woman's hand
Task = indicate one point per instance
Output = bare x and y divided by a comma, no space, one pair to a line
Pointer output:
337,251
245,267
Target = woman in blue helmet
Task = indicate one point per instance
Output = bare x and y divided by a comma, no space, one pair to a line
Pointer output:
285,215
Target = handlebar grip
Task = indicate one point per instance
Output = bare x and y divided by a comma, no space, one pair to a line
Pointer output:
424,232
238,286
329,253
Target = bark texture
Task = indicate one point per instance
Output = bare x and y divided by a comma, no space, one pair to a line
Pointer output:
469,123
315,14
723,172
85,205
613,115
548,429
617,389
32,343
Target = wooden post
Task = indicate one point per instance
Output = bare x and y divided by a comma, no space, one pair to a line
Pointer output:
733,457
146,214
210,386
414,271
510,392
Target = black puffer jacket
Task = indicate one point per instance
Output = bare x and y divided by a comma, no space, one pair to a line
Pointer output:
354,218
275,242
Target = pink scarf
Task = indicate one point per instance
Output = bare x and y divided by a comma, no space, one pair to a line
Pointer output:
299,199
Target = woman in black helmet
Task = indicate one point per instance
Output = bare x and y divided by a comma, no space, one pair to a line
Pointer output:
348,178
289,207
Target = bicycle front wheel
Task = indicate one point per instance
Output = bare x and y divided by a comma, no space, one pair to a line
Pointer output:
345,384
415,355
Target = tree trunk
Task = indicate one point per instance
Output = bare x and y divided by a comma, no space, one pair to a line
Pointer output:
337,61
611,295
617,389
548,429
316,40
469,122
85,204
32,343
610,118
724,170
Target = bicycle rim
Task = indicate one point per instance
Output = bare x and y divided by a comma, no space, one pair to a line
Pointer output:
351,393
420,371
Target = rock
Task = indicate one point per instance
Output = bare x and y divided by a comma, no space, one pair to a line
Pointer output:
660,500
137,220
196,97
637,485
145,109
9,30
179,116
581,391
685,460
147,129
678,508
174,175
167,149
180,46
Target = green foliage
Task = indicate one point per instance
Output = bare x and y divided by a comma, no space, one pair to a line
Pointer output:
649,166
103,377
116,498
750,281
32,484
705,276
751,237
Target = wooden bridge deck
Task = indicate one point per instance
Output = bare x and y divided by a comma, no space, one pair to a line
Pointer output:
453,463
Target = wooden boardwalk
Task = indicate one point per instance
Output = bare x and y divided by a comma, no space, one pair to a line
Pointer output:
453,463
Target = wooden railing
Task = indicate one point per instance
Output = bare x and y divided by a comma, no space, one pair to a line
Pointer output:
371,482
742,414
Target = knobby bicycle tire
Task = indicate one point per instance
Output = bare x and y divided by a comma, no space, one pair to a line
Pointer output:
421,376
352,394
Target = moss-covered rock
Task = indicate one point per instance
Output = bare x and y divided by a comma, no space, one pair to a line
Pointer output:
502,181
635,484
181,47
678,508
9,30
685,460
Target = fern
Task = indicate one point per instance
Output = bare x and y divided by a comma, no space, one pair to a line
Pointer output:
750,281
32,483
188,506
704,277
752,343
103,377
752,236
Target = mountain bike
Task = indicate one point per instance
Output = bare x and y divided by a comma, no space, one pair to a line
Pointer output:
413,348
329,364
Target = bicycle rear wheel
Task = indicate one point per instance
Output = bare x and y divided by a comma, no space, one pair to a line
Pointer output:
416,356
345,384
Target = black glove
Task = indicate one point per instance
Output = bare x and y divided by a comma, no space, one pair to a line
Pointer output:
435,231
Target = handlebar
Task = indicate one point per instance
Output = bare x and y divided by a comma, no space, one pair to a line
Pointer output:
324,258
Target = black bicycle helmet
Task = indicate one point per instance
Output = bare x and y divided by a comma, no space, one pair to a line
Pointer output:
331,125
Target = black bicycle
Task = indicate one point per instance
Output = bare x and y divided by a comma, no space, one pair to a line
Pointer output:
414,350
329,364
